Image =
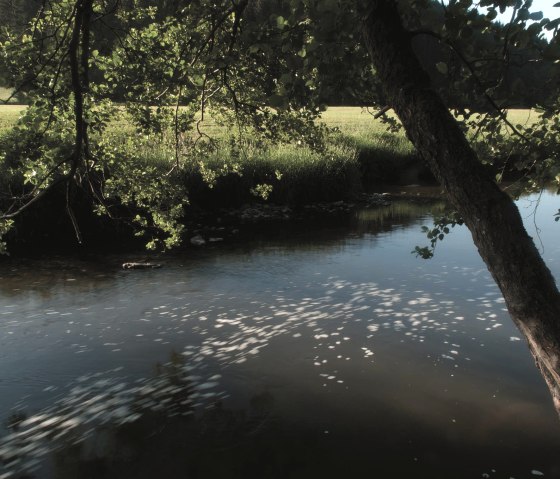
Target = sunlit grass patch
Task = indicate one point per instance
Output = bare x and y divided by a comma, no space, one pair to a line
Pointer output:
9,115
352,119
283,174
359,122
359,152
523,117
5,93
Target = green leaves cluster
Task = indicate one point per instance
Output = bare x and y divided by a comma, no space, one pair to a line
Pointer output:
155,72
166,73
438,232
5,226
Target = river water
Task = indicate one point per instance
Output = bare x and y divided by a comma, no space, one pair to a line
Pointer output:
314,349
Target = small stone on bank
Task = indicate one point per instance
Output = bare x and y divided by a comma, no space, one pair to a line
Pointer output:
198,240
141,265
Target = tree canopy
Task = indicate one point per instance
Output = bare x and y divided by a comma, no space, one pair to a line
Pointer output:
266,68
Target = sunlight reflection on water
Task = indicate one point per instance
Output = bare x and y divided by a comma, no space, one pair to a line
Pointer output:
362,347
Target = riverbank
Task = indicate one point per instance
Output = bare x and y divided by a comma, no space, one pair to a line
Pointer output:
261,182
265,180
220,227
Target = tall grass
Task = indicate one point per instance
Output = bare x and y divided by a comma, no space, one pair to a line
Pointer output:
360,152
282,174
9,115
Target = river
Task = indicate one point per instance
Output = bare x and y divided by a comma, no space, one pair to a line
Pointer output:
314,349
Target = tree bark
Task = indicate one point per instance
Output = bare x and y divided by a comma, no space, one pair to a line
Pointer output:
528,287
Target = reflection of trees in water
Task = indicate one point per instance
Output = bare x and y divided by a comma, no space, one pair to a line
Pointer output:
399,213
218,442
104,420
330,231
172,439
153,431
50,278
53,277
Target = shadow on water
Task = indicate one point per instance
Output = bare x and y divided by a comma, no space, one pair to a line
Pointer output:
332,231
23,276
172,425
98,411
177,424
51,275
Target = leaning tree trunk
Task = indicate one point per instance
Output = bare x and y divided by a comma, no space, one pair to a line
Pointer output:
530,292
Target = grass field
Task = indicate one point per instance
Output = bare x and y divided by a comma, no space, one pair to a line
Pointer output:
358,129
362,152
353,121
5,93
522,117
9,114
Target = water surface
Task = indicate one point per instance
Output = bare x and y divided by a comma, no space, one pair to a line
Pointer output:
319,349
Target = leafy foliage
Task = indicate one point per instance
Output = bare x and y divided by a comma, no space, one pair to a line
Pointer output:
438,232
191,59
263,71
5,226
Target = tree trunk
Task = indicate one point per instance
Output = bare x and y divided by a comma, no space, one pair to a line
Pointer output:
530,292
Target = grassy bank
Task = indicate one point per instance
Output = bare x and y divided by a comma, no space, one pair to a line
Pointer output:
360,154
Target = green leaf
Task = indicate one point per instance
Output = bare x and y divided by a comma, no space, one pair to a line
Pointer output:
523,14
197,80
442,68
276,101
466,32
286,78
492,14
536,16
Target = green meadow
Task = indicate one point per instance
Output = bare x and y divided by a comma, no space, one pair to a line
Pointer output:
9,115
360,152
